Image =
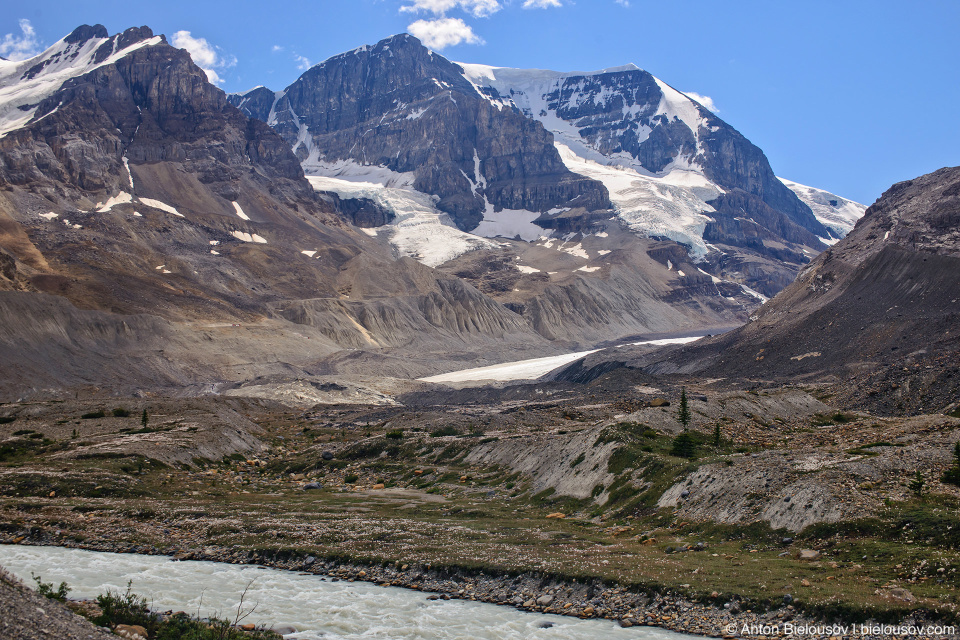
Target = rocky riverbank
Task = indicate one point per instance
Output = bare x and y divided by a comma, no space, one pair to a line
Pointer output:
630,606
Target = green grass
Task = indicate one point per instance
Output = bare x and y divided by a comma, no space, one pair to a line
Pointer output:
18,450
452,524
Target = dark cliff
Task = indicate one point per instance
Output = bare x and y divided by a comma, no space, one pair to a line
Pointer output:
401,106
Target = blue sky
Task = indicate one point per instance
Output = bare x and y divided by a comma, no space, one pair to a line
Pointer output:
848,96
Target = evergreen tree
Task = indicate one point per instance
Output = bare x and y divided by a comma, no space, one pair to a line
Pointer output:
717,439
143,419
684,446
917,484
952,475
683,413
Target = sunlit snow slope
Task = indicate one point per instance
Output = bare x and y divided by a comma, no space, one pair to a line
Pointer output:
419,230
836,213
25,84
670,202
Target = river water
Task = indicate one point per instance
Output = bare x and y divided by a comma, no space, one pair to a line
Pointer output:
316,608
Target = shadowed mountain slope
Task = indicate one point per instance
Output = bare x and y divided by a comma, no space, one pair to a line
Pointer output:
879,311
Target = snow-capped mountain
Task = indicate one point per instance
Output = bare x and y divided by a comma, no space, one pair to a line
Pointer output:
672,155
531,154
153,235
400,106
25,85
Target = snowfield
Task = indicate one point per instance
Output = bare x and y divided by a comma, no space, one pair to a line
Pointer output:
420,230
649,205
534,368
838,214
521,370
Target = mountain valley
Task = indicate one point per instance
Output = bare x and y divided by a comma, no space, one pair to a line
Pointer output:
233,325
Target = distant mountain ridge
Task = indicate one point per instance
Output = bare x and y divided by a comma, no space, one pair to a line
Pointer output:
513,152
403,107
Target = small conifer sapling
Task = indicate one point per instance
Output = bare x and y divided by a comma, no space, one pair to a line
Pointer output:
683,413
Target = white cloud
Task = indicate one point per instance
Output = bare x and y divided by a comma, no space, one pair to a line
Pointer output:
435,6
205,55
442,33
22,47
540,4
706,101
277,48
303,62
477,8
623,3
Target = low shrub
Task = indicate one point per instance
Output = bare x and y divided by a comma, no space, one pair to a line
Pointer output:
47,591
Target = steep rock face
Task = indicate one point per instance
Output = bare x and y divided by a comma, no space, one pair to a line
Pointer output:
255,103
400,106
879,310
740,215
361,212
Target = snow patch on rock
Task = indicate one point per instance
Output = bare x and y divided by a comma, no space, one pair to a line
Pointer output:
162,206
121,198
239,210
20,95
419,230
838,214
248,237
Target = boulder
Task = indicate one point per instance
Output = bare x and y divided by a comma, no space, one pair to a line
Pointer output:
898,593
131,631
283,629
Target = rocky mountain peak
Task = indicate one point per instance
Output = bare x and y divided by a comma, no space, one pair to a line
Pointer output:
399,106
923,214
370,81
85,32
